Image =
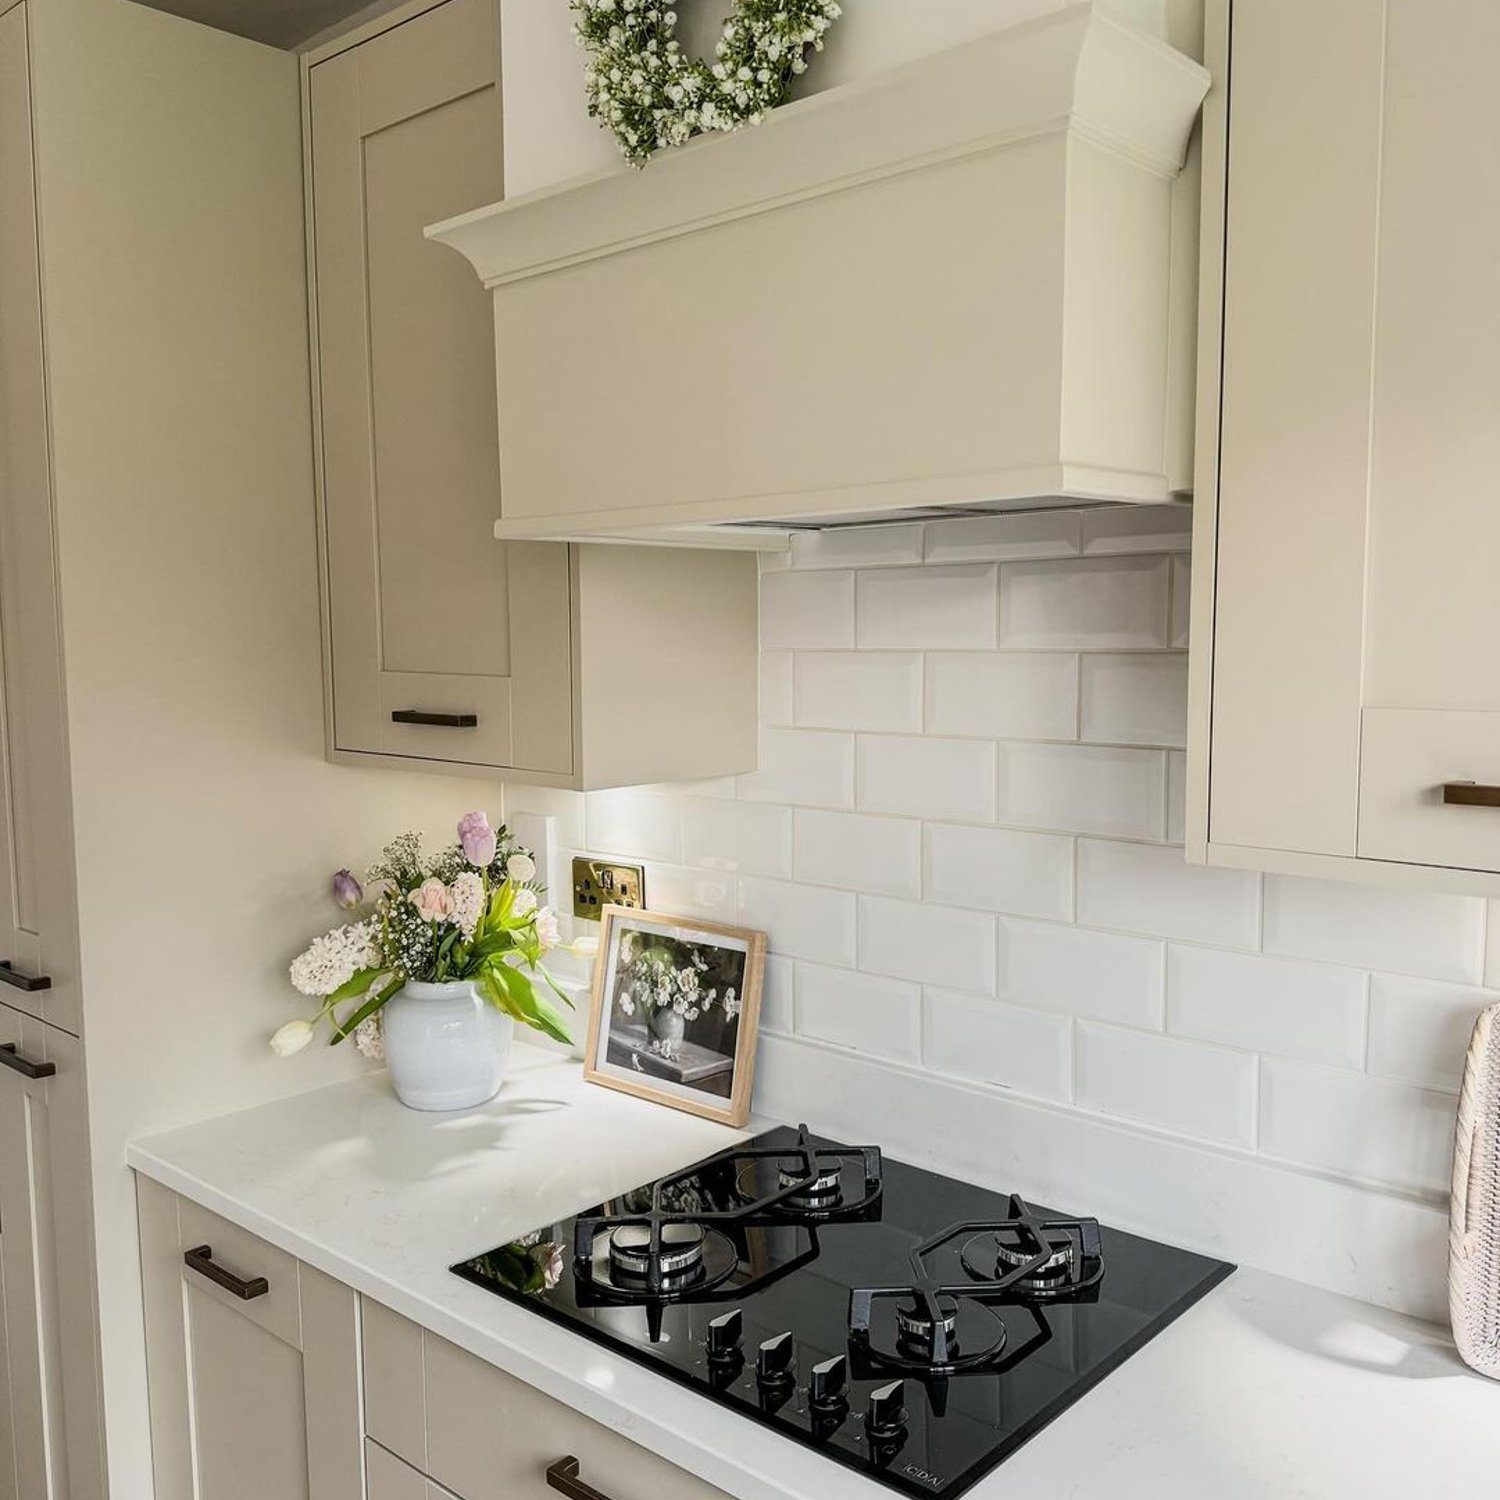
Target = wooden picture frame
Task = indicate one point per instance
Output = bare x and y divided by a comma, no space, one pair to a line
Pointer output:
694,1057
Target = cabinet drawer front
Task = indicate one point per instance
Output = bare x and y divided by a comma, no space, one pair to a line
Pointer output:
245,1256
388,1478
1407,755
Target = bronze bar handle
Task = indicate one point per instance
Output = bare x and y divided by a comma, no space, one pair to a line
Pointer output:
202,1261
435,721
10,1058
1470,794
31,983
563,1477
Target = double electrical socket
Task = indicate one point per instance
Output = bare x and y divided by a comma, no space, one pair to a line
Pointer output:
599,883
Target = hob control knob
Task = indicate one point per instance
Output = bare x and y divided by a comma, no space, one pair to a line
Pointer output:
887,1414
724,1335
775,1364
826,1386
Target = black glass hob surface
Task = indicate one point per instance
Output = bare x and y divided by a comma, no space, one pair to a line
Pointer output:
906,1325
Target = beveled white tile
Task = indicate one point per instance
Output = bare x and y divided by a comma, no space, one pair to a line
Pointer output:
927,778
1361,1127
1077,972
776,687
1184,1087
1405,932
1084,604
1135,699
739,837
927,944
881,1017
1083,789
634,824
1314,1012
808,611
859,851
1001,869
802,767
879,690
858,546
1001,538
1020,695
926,608
1140,888
685,892
1136,528
776,1012
1420,1029
991,1042
800,921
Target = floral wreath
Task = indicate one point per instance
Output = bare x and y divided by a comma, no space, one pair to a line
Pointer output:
642,86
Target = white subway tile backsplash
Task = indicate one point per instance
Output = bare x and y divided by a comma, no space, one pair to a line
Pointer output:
859,851
810,611
1176,797
1041,533
881,1017
1206,1092
927,608
746,837
990,1042
1182,599
858,546
686,892
801,921
1083,789
1137,528
1406,932
879,690
1001,869
802,768
927,778
1315,1012
1077,972
1007,695
775,687
1139,698
1420,1029
1357,1126
1098,604
1139,888
634,823
776,1013
927,944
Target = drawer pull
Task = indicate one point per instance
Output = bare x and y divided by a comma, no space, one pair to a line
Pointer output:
435,721
202,1261
24,1065
31,983
563,1477
1470,794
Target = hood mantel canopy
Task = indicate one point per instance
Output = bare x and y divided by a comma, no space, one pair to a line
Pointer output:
946,287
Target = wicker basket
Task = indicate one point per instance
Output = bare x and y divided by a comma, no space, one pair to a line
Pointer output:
1474,1228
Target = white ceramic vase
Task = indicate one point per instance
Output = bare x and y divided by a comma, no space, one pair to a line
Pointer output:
445,1045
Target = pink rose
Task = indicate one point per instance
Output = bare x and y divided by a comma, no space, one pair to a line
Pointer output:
433,900
478,839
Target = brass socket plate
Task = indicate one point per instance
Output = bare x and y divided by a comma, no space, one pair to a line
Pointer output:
598,883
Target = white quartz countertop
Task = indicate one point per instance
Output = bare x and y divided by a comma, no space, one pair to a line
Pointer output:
1264,1389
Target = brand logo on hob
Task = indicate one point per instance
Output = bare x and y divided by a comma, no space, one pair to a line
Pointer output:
922,1476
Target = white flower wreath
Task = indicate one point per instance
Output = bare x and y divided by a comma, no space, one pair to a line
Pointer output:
650,93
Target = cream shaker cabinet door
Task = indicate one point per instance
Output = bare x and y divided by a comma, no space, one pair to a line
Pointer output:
38,939
252,1360
444,644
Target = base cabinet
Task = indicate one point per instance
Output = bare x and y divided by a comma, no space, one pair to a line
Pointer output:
389,1478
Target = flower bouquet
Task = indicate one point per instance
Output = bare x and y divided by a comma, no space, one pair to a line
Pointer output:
435,976
666,996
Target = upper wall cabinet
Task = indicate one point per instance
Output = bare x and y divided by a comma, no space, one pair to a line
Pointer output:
446,648
949,285
1346,615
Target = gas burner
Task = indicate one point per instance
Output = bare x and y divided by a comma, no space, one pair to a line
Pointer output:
915,1325
893,1329
680,1255
824,1193
807,1186
619,1261
1026,1257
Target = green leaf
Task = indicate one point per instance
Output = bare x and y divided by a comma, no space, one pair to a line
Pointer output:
352,988
555,987
344,1028
512,992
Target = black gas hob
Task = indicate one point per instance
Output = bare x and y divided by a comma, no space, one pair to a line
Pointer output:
906,1325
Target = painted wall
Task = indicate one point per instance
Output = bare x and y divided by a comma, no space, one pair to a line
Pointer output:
207,819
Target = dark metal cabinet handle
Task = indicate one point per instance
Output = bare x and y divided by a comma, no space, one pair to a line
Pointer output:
1470,794
17,980
435,721
10,1058
563,1477
202,1261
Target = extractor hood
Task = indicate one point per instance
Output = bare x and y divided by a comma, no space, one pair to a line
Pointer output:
946,287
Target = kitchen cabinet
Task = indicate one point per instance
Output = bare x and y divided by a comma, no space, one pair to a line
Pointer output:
480,1433
1345,611
446,649
388,1478
252,1360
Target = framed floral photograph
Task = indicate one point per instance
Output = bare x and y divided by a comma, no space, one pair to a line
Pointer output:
675,1010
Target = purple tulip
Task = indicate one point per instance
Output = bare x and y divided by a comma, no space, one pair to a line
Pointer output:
347,891
478,839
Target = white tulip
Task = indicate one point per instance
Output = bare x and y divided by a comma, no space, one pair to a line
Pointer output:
520,868
291,1038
